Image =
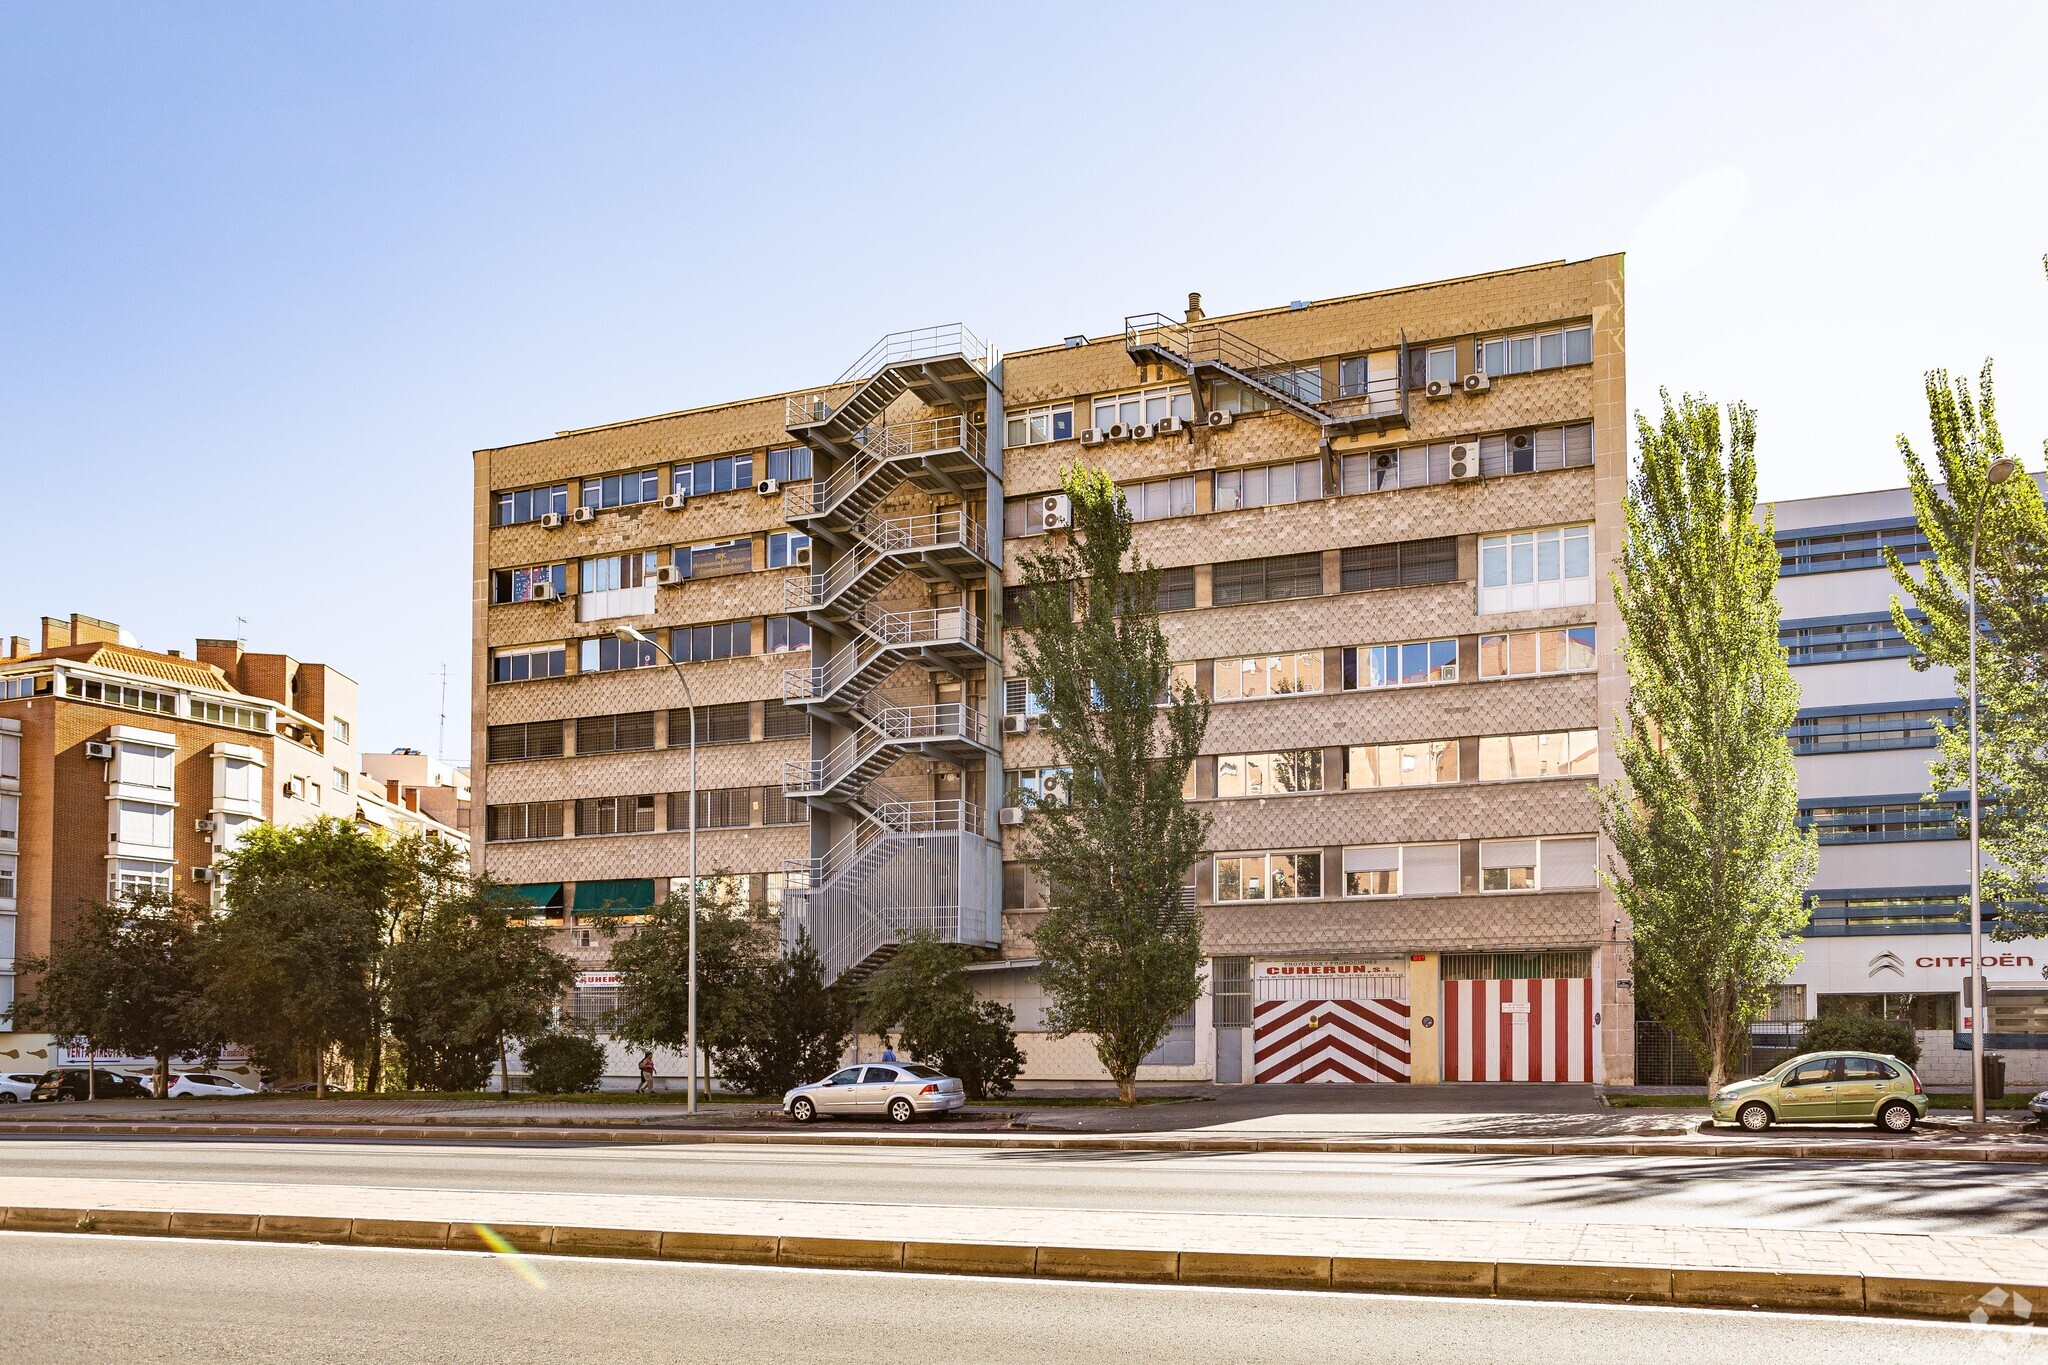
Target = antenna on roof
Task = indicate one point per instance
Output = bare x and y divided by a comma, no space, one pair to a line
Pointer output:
441,731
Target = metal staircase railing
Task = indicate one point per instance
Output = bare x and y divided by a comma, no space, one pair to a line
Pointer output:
1195,346
879,453
867,658
853,581
861,757
884,820
919,344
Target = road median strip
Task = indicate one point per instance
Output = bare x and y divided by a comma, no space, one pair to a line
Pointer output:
1572,1281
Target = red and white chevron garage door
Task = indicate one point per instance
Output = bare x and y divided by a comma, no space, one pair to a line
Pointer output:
1536,1030
1330,1028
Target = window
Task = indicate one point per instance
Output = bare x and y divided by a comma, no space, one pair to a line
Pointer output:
1923,1010
7,878
615,572
1525,653
782,634
1179,678
1268,675
236,717
622,490
719,475
1224,396
777,809
787,464
1286,771
10,756
614,815
114,694
726,723
615,734
1835,549
1403,564
1020,698
144,765
716,559
27,685
1269,876
717,808
1531,569
143,824
10,817
1269,485
784,722
1836,642
1267,580
1896,822
339,779
340,729
1838,912
1551,753
1412,664
530,661
1157,499
1533,452
1379,471
1230,987
1037,426
1402,870
1420,764
531,504
1536,864
1375,377
1847,730
1432,363
776,884
534,739
241,780
782,547
609,654
1534,351
1039,784
699,644
1148,406
530,820
2016,1011
133,877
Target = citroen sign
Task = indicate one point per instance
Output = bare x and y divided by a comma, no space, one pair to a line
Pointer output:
1887,961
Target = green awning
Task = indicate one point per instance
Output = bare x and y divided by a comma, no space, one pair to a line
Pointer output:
614,898
546,895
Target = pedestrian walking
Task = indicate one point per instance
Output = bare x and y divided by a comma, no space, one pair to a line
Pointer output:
888,1053
646,1086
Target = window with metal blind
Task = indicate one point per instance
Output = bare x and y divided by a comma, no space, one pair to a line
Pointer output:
726,723
614,734
777,809
1403,564
1515,966
1176,589
593,1004
530,820
717,808
1267,580
534,739
614,815
780,722
1230,986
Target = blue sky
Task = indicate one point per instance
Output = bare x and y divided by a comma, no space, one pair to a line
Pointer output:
268,274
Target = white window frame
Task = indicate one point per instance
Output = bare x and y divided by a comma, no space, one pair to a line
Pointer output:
782,545
128,877
1267,667
1269,763
1512,569
1139,407
1265,875
1176,492
1236,490
1035,426
1544,846
1497,355
1362,658
1592,647
1417,749
1569,742
1400,871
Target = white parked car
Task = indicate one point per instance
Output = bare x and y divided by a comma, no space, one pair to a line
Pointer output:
899,1092
17,1086
187,1085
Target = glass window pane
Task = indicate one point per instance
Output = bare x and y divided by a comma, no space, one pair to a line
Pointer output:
1493,562
1493,656
1578,552
1578,346
1522,653
1279,484
1549,557
1579,647
1550,350
1522,559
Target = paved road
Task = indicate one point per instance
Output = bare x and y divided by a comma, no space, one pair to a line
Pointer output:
92,1299
1872,1196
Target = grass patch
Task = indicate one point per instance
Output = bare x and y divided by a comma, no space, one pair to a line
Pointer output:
1962,1102
1615,1101
527,1097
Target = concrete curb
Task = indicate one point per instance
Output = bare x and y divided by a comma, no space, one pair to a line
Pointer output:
1752,1149
1590,1282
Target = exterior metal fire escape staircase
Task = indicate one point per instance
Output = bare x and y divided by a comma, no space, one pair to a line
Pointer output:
1205,351
900,864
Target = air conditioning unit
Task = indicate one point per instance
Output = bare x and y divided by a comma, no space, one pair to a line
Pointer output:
542,592
1441,388
293,787
1519,444
1016,725
1478,383
1465,459
675,502
768,488
1052,790
1090,436
1010,815
1167,426
1119,432
98,748
1386,459
585,515
202,826
1221,418
202,874
800,556
1142,432
667,576
1055,513
551,521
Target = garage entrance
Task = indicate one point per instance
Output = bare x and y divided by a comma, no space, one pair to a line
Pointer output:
1330,1021
1519,1016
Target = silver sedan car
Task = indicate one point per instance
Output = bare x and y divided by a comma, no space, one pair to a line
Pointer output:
897,1091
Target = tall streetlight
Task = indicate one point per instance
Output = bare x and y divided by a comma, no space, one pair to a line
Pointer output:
2000,470
626,635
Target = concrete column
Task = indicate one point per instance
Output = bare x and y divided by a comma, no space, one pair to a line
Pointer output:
1425,1020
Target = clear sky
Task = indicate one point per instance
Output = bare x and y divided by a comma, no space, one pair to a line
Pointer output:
269,273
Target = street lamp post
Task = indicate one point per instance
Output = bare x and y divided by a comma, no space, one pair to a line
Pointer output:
1999,471
627,635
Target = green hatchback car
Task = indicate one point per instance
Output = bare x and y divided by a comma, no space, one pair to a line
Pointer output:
1827,1087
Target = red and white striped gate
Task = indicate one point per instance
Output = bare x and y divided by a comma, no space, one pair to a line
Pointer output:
1330,1022
1530,1030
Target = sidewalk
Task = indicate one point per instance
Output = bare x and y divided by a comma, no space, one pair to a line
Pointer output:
1916,1275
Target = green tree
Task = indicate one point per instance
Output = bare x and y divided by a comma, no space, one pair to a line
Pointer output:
1712,866
735,943
2012,641
424,874
923,993
1122,955
124,980
784,1026
1859,1032
563,1063
464,981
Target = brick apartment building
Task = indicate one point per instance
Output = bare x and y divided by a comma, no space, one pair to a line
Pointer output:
1386,523
124,769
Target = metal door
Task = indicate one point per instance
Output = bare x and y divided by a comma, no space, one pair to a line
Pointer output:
1330,1028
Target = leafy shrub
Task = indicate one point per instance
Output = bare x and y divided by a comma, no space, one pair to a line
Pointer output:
563,1063
1861,1033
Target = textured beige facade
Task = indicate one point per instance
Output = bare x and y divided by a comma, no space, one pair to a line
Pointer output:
1461,315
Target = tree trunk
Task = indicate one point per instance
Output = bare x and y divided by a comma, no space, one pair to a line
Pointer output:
163,1075
504,1073
319,1073
92,1058
1126,1088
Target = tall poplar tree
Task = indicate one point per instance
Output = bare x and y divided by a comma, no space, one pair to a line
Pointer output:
1712,867
1122,955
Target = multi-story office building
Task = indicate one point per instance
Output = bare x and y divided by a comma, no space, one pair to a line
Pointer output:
124,769
1385,523
1890,898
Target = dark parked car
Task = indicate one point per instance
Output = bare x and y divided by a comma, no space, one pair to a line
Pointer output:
69,1084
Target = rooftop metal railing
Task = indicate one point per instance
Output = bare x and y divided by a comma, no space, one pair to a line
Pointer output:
1205,343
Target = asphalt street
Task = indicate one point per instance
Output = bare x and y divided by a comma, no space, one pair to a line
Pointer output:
1863,1196
93,1299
